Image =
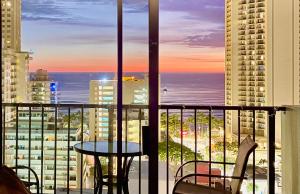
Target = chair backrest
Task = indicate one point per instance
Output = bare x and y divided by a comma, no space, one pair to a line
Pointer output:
10,182
246,147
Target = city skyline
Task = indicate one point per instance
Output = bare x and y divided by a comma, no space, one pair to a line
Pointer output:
65,37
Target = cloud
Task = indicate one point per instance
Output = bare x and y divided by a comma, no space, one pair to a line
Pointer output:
205,60
210,38
96,39
45,10
87,39
136,6
63,10
206,10
60,12
213,39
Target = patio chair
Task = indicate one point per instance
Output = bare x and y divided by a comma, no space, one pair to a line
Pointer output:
182,186
11,183
30,183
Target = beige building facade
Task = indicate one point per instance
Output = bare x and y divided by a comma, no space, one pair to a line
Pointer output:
41,89
262,58
11,24
15,62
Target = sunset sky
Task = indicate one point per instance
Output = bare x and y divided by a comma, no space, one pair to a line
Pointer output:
81,35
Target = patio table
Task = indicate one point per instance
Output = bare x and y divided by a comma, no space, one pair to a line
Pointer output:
109,149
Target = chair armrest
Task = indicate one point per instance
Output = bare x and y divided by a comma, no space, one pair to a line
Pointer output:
201,161
31,170
204,175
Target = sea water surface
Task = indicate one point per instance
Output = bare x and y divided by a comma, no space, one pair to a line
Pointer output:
176,88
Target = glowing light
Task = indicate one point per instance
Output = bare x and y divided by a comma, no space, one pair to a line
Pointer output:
53,87
103,79
184,133
8,4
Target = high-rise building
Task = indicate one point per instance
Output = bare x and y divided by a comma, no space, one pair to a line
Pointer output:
104,92
21,77
11,24
262,58
41,149
102,121
8,87
15,62
101,92
42,89
14,76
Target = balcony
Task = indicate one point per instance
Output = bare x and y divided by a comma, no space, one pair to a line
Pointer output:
177,133
186,133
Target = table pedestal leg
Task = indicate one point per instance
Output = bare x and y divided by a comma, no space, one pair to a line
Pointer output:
110,179
99,182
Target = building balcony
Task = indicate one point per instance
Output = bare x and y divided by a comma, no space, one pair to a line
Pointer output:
178,127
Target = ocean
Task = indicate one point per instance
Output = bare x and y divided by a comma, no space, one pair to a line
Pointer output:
182,88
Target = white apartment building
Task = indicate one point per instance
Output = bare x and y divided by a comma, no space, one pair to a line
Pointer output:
42,157
262,58
104,92
102,121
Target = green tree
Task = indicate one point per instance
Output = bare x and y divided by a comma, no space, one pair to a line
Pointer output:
250,187
230,146
203,119
75,119
174,124
175,152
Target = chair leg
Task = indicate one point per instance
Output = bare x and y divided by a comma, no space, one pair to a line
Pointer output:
125,188
100,189
38,188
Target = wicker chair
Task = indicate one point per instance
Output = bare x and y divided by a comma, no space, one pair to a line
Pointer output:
182,186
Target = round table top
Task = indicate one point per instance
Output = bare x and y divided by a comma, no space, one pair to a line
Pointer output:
105,148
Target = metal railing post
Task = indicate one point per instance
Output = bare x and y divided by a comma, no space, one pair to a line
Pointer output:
1,121
271,151
119,95
110,140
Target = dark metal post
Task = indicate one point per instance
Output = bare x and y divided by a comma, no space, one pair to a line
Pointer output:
254,131
55,148
17,137
110,148
42,150
29,143
210,142
81,155
181,140
224,147
196,141
140,148
1,120
167,139
120,96
3,134
271,151
153,93
68,162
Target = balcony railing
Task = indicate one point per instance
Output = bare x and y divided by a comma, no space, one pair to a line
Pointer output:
210,133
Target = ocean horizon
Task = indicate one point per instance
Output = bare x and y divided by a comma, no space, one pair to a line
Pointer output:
182,88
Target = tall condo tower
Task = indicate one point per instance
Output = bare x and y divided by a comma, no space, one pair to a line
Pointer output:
262,58
11,24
